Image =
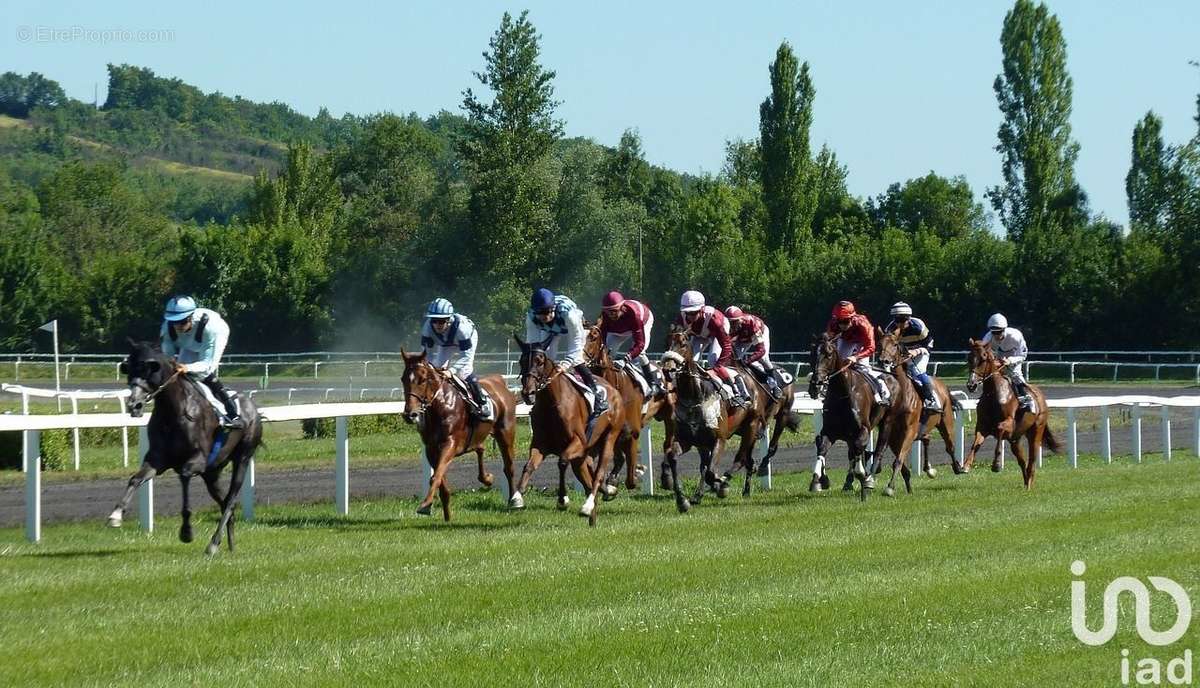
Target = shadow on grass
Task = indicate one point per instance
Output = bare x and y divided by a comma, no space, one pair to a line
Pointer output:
77,554
350,523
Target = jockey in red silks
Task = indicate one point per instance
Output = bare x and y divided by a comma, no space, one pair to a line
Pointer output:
752,346
709,332
625,327
856,342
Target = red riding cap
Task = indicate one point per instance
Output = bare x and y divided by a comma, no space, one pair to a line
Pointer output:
611,300
733,313
843,310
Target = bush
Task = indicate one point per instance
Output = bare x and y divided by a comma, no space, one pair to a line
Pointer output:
323,428
56,450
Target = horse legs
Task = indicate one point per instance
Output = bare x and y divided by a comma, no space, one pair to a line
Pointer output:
1034,438
670,463
746,455
485,478
969,459
603,463
228,506
563,499
505,440
858,449
516,501
632,458
946,428
1022,461
820,479
720,485
444,457
144,473
1000,437
705,463
667,447
185,528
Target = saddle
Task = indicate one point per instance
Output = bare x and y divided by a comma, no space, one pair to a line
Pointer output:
589,397
882,394
635,374
217,407
460,386
220,446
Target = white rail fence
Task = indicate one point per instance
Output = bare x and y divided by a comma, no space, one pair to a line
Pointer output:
32,425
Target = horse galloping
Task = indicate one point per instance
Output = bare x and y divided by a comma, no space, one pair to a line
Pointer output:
182,432
894,356
998,414
447,427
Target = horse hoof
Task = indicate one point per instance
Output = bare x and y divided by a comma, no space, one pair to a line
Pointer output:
931,473
609,493
640,470
516,501
212,549
848,487
869,482
889,492
424,510
722,491
825,481
667,485
487,480
563,503
683,505
185,535
996,468
114,521
816,486
588,507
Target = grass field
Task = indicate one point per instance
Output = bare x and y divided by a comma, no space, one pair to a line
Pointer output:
964,583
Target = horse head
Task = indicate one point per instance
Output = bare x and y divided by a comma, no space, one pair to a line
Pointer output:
421,384
146,370
892,353
594,351
537,368
823,360
980,363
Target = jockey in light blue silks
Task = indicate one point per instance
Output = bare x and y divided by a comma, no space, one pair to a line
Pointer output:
196,339
450,341
1008,346
553,319
917,341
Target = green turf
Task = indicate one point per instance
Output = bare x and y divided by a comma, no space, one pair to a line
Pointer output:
964,583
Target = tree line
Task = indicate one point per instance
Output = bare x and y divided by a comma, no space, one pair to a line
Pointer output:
351,225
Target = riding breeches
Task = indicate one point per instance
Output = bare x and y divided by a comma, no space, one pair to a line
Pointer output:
918,364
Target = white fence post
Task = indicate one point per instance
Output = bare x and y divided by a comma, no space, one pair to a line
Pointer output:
646,449
1072,445
1166,423
760,451
1106,441
146,489
248,491
1196,430
25,411
75,431
31,452
1137,433
341,493
960,450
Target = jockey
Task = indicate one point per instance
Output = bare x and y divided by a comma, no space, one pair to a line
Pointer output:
553,318
855,341
450,341
1008,345
752,346
916,339
195,338
625,321
709,332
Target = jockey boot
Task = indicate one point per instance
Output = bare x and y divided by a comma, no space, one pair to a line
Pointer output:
925,388
232,419
654,377
600,392
773,387
483,405
1023,396
741,396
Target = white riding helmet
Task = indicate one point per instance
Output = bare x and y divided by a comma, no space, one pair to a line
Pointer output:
691,301
901,308
997,322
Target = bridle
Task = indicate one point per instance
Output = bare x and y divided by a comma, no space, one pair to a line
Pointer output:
140,383
424,401
543,379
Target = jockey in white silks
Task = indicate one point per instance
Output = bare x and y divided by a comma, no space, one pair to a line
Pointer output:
450,341
555,320
195,338
1008,346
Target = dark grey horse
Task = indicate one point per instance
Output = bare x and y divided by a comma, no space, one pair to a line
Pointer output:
182,430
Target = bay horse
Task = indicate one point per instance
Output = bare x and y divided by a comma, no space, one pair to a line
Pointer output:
902,423
778,414
998,414
559,417
182,430
705,421
893,354
848,413
447,428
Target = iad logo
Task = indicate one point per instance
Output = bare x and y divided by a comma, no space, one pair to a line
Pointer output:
1148,671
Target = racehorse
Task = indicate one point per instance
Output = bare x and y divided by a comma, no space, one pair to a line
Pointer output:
705,422
599,359
778,410
182,431
560,420
893,356
998,414
849,412
901,424
447,427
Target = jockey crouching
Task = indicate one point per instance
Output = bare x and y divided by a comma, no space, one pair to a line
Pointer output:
195,338
709,331
752,346
856,342
1008,346
625,327
917,341
554,318
450,341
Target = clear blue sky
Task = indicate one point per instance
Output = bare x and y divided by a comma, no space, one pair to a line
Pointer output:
902,88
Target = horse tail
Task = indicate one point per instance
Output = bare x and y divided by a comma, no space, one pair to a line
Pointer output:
1050,440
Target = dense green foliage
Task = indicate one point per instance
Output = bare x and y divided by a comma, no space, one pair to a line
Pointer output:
318,231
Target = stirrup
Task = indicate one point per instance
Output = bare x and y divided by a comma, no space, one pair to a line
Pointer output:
234,423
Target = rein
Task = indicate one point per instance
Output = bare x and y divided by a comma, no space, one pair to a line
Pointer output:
150,396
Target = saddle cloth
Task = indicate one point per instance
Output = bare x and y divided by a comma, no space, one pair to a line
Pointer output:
588,396
217,407
882,394
635,373
461,385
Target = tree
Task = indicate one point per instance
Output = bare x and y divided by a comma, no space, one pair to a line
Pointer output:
1034,93
784,121
625,173
1145,185
20,95
944,206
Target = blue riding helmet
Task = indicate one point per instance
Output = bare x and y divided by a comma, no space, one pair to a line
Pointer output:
543,300
179,308
439,309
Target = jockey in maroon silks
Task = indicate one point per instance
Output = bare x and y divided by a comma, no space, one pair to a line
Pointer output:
752,346
709,332
625,327
856,342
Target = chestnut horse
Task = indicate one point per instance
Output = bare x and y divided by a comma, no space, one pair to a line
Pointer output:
893,355
599,359
560,427
706,422
434,403
849,411
902,423
998,414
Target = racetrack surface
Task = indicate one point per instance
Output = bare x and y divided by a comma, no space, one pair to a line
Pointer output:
92,500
